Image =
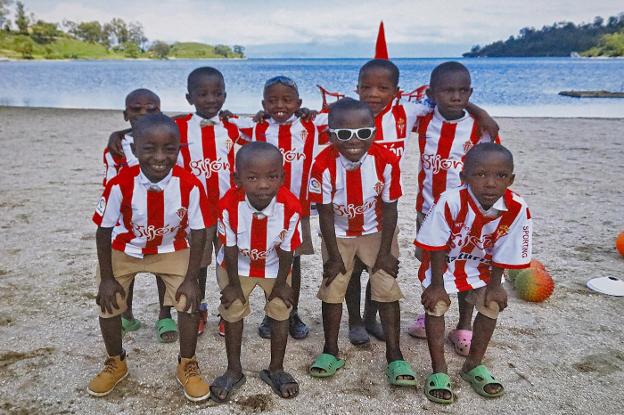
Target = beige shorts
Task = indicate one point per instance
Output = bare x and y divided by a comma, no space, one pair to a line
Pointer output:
170,267
210,244
384,287
276,308
306,247
474,297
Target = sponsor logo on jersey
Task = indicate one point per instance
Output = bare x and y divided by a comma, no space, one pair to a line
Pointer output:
459,240
292,155
351,211
207,166
101,206
151,232
436,163
525,241
255,254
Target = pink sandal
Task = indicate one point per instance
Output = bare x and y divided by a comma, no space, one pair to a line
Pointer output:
461,340
417,328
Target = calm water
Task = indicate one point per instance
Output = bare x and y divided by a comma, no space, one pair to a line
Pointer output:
504,86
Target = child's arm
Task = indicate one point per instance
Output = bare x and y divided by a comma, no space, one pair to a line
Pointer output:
435,292
114,142
484,120
281,289
385,260
495,291
190,286
109,287
334,264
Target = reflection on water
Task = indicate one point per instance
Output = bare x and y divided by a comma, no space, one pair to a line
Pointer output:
506,86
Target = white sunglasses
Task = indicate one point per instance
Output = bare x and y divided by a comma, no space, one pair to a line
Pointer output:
346,134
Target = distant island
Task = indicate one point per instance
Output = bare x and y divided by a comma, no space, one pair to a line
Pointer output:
601,38
30,38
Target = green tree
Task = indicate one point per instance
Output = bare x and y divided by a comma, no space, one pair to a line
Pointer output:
4,12
136,35
89,31
44,32
130,50
239,50
117,30
222,50
21,20
24,45
160,49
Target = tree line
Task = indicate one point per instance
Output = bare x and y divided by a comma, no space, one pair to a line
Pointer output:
558,39
127,38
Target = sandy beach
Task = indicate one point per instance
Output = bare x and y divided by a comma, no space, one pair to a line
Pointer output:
563,356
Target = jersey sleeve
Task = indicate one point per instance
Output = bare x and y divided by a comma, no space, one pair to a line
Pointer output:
201,214
435,230
292,239
418,108
245,126
126,145
513,247
320,187
110,167
393,189
322,128
227,236
108,209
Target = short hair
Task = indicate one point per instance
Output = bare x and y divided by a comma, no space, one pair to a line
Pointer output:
142,92
444,68
282,80
338,108
255,149
384,64
153,121
197,73
477,152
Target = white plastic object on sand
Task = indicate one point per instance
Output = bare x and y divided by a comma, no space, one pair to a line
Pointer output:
607,285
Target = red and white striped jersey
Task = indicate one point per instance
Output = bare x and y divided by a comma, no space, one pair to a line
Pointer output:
207,151
356,194
395,123
113,164
257,234
153,218
298,141
473,241
443,145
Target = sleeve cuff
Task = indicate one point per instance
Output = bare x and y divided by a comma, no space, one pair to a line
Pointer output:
429,247
509,266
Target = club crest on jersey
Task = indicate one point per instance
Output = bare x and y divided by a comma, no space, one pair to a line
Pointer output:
400,125
502,231
378,188
229,144
181,212
304,134
101,206
314,186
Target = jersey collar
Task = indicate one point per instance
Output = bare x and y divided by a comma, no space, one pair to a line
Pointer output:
351,165
497,208
264,213
437,115
156,187
291,120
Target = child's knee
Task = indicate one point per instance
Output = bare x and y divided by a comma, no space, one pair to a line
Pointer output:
439,310
235,312
277,309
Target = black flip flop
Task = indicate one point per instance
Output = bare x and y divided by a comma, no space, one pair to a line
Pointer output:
278,380
226,384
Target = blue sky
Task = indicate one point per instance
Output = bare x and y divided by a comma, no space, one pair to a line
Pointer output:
325,28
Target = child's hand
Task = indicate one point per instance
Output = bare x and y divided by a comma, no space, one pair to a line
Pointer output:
283,291
224,115
387,263
489,126
231,293
332,268
497,294
306,114
432,295
189,289
260,116
114,143
107,295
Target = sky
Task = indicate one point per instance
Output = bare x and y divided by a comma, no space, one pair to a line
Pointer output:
331,28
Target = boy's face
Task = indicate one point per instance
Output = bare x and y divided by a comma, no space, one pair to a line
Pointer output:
354,148
280,102
489,177
451,94
260,178
157,151
140,105
207,95
376,88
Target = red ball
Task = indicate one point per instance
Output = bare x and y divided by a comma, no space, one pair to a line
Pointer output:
619,243
534,285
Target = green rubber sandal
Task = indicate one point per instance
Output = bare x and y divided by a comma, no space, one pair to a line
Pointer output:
129,325
438,381
328,363
399,368
479,378
164,326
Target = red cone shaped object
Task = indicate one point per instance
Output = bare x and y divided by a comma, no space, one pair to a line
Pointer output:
381,49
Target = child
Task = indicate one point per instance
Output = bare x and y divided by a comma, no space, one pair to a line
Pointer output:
378,86
298,140
207,151
139,103
143,219
259,231
444,137
356,185
470,235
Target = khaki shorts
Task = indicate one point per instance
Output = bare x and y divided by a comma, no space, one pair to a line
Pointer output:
474,297
276,308
207,257
306,247
170,267
384,287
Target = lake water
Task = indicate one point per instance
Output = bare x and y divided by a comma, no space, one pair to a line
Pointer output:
504,86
